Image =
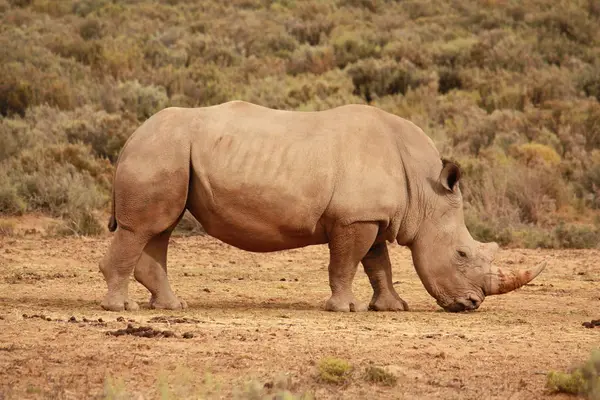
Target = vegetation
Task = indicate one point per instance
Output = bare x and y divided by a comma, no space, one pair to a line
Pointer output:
185,387
583,380
509,89
334,370
380,376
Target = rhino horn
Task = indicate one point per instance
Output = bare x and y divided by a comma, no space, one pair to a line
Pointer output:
501,282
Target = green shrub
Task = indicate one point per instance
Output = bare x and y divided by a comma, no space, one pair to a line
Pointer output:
380,376
90,29
486,229
105,133
349,47
577,236
20,3
377,78
55,179
10,201
315,60
582,380
510,88
311,31
334,370
142,101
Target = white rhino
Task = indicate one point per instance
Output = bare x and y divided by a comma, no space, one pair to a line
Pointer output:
353,177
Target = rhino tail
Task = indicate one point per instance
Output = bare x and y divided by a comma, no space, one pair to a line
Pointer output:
112,221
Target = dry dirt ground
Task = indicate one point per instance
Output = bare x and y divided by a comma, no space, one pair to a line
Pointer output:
259,318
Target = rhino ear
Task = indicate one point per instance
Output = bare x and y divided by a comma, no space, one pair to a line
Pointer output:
450,175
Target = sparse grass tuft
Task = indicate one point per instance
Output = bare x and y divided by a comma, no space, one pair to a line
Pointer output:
334,370
380,376
182,385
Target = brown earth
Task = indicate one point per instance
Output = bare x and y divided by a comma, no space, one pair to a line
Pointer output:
260,318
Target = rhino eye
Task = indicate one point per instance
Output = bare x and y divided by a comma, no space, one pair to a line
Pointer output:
461,253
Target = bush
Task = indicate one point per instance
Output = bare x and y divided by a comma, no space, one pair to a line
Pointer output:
377,78
334,370
511,89
582,380
380,376
577,237
58,179
311,32
142,101
105,133
10,201
350,47
315,60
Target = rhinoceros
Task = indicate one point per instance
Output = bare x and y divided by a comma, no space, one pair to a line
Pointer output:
354,177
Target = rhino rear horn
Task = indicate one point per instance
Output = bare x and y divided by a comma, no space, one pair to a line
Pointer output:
501,282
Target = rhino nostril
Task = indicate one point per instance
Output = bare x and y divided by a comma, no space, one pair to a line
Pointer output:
474,303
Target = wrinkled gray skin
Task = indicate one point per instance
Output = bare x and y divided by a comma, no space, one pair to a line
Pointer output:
353,177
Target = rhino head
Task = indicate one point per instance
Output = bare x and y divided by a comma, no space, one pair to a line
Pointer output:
456,269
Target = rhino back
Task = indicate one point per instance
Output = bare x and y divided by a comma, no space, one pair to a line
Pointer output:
280,174
261,173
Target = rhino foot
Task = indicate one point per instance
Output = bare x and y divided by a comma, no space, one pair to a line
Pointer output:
111,304
170,303
388,303
344,304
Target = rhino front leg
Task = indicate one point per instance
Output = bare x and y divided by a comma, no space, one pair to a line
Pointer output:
151,271
347,246
378,268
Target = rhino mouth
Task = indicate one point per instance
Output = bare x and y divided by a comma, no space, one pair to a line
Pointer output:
468,304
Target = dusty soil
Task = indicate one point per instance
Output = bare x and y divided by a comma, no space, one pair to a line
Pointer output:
260,317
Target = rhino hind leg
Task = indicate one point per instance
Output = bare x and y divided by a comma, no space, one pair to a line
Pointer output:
151,271
378,268
123,254
347,247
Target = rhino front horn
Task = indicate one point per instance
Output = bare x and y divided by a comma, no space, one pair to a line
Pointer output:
501,282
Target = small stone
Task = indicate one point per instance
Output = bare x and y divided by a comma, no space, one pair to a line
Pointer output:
48,319
188,335
25,316
85,319
120,319
207,290
100,320
72,319
588,324
282,279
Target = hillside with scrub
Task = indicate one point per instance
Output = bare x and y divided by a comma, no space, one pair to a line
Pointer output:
509,89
